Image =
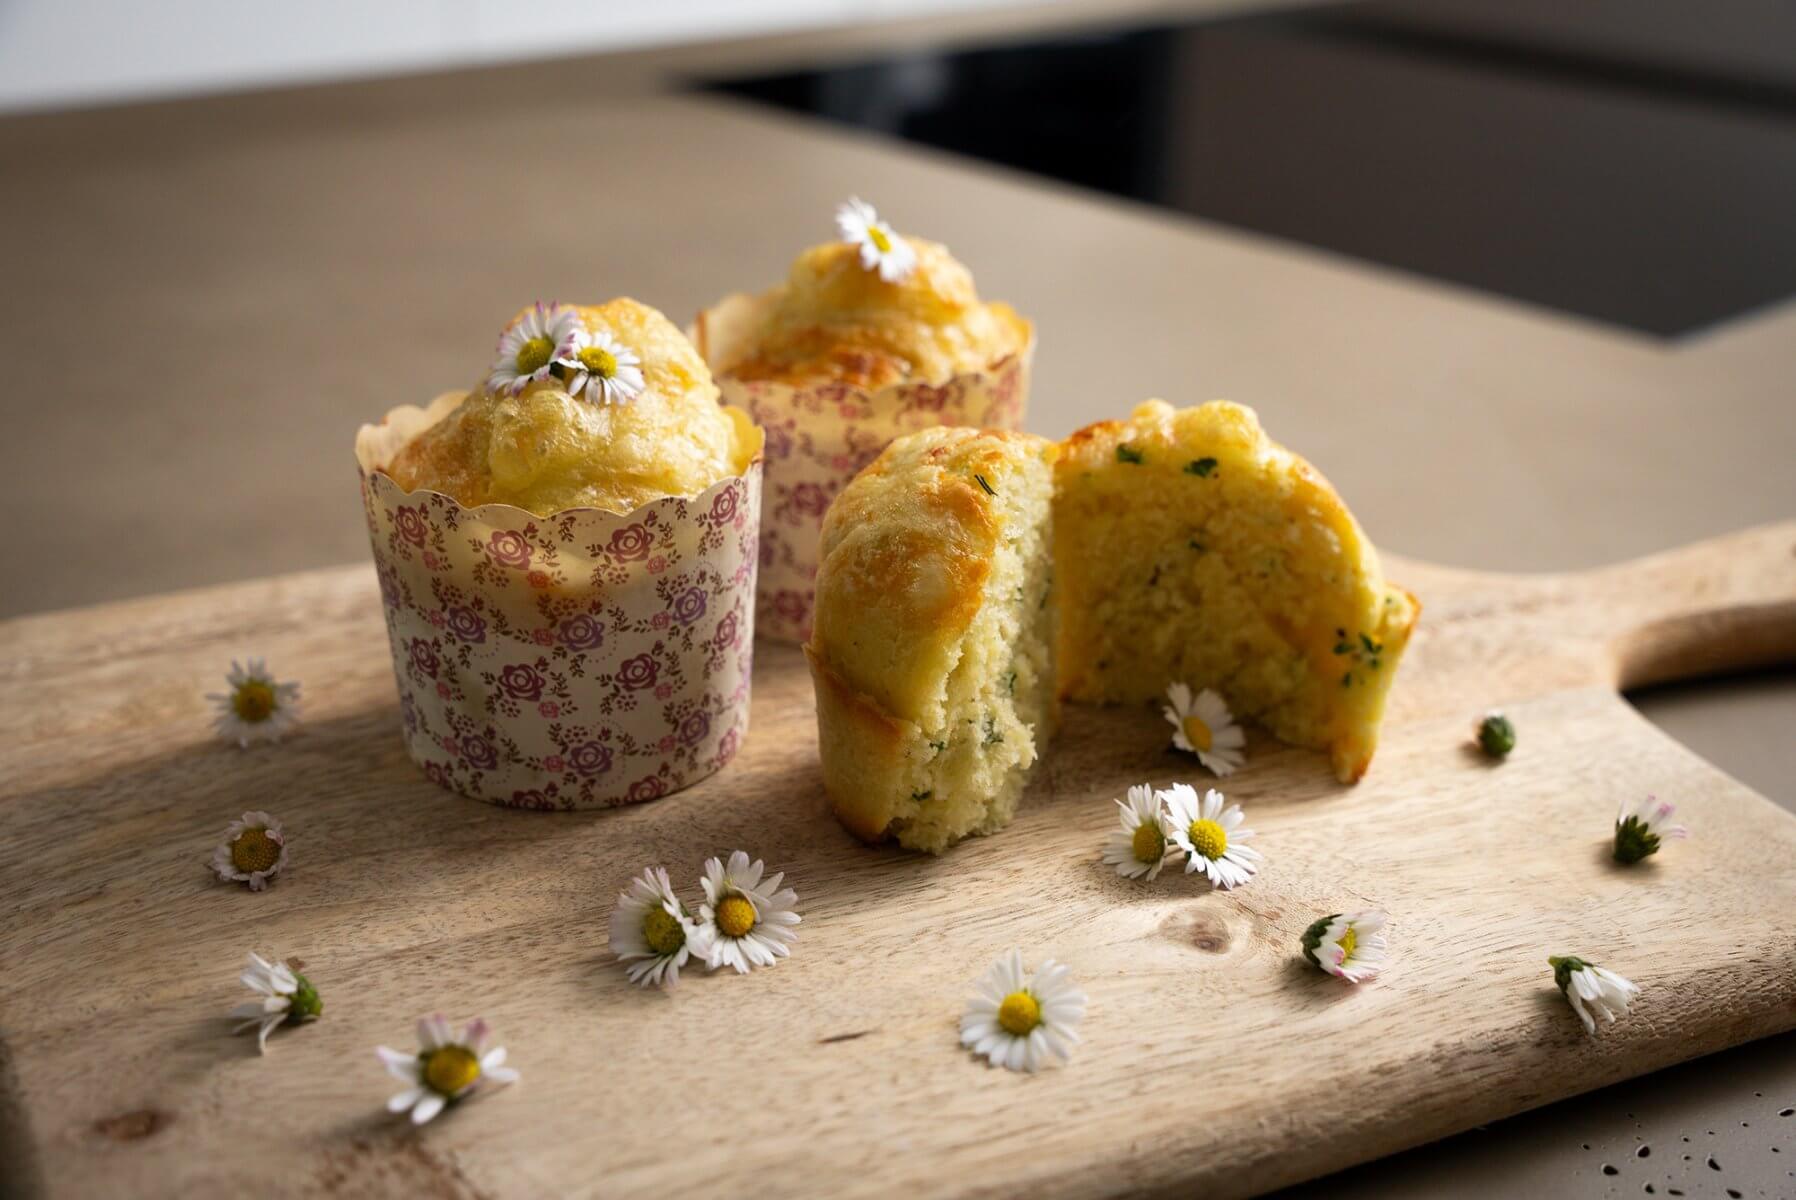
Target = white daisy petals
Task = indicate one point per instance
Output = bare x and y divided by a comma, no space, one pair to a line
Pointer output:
603,369
447,1068
1021,1022
1641,825
531,346
282,995
746,921
1349,946
258,708
1202,725
1594,992
253,851
1138,849
651,930
1211,835
881,248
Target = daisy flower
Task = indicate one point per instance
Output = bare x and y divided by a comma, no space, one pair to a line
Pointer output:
1639,826
605,369
1210,835
1592,990
445,1070
744,922
881,247
530,346
1349,946
253,851
1203,726
1138,849
650,924
258,708
285,996
1019,1022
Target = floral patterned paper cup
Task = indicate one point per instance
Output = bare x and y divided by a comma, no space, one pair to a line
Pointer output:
819,436
582,660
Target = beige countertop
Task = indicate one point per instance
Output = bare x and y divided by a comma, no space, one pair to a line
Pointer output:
204,299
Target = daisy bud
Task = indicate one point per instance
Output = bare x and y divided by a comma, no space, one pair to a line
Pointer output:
1496,736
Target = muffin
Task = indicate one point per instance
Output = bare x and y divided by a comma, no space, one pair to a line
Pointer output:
1189,547
932,649
870,337
536,440
566,556
972,580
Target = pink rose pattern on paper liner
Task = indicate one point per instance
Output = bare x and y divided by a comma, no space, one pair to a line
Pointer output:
582,660
818,438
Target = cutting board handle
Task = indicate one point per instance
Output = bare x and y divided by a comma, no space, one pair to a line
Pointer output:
1726,604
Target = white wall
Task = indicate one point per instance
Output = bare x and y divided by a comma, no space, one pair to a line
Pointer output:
56,53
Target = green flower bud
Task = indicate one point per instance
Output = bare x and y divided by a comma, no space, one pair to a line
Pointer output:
306,1004
1496,736
1634,840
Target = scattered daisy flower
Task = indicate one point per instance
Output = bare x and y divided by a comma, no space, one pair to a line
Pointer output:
1138,849
286,996
258,708
1349,946
1019,1022
253,851
881,247
1210,835
1640,825
1204,727
531,345
1496,736
605,369
1592,990
651,931
445,1070
744,922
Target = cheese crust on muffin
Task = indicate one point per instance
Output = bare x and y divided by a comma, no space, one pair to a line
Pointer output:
931,649
834,321
546,451
1189,547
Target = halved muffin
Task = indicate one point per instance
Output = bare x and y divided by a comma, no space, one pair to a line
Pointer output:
1190,547
931,647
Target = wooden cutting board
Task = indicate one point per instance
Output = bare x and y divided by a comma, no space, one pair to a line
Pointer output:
1215,1062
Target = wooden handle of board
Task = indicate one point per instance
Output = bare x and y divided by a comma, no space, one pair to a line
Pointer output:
1721,605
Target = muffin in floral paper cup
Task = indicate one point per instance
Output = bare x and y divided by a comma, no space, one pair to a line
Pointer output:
567,559
870,337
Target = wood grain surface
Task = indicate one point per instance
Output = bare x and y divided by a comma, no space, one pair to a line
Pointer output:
1215,1062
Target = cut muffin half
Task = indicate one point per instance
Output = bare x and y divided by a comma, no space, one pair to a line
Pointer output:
932,645
1192,548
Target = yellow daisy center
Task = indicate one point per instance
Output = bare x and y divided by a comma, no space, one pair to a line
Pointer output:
879,238
253,701
1198,733
1348,941
1208,838
599,361
735,916
1148,844
534,355
662,932
253,850
1019,1014
449,1069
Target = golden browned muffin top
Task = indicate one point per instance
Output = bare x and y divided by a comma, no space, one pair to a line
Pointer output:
633,419
837,320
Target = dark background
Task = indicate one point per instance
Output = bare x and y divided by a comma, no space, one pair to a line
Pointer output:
1633,161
